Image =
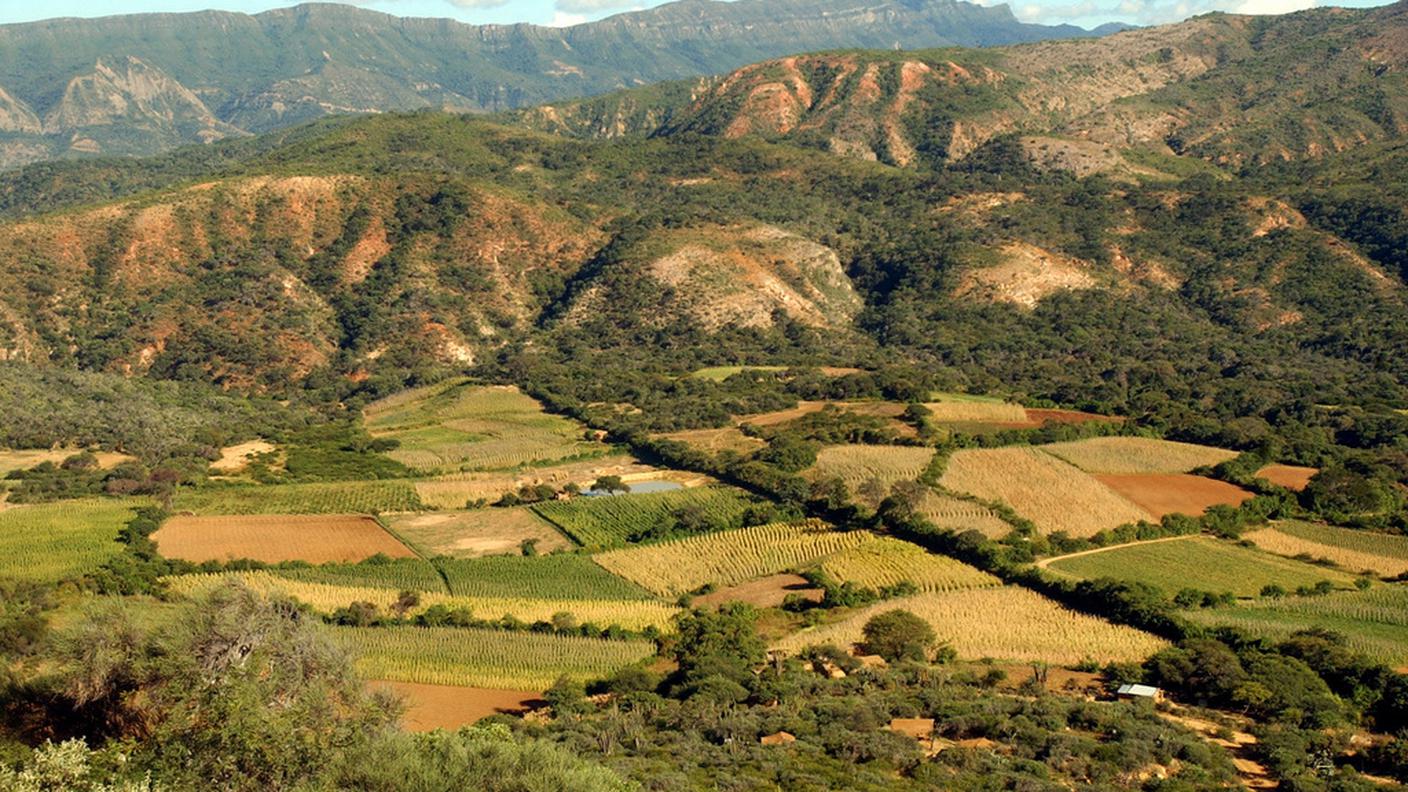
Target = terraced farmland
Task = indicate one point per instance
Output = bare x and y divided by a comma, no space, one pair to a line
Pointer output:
858,464
1137,455
1373,622
55,541
887,562
729,557
1052,493
608,521
632,614
1008,623
341,497
272,538
1383,554
477,532
1198,562
484,658
460,425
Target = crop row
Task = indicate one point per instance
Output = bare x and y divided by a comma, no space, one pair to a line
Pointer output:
604,522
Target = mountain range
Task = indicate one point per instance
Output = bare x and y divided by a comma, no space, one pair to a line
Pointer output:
132,85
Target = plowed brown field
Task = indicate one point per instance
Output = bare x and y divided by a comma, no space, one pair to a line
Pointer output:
271,538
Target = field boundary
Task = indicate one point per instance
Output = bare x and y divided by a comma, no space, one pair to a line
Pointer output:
1046,562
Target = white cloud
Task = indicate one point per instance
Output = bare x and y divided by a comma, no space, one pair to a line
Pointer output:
595,6
1274,6
478,3
564,19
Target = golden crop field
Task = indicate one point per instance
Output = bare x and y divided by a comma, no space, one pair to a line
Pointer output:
959,515
633,614
888,561
483,658
54,541
728,557
454,490
271,538
1383,554
332,497
460,425
476,532
1053,494
1137,455
959,409
857,464
1007,623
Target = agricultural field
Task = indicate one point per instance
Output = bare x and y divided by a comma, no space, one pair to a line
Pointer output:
1385,555
476,532
1198,562
959,515
888,561
484,658
23,459
765,592
341,497
1293,477
1161,494
1130,455
1373,622
449,707
272,538
460,425
721,373
1006,623
399,574
714,441
858,464
631,614
608,521
454,490
55,541
1052,493
965,408
562,576
729,557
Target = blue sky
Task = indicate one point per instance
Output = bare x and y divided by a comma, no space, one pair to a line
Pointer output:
563,12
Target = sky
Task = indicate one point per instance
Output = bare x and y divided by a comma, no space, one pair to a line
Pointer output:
568,12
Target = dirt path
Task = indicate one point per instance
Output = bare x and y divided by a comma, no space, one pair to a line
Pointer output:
1253,773
1045,562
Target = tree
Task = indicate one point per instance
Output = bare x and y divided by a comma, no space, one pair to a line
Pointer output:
610,485
899,635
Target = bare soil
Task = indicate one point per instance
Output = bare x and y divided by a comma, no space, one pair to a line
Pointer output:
431,707
768,592
271,538
1176,493
1292,477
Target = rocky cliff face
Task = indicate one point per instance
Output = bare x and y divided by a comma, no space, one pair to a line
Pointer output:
150,90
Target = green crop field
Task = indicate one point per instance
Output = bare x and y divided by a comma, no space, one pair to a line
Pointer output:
1198,562
559,576
1373,622
459,425
886,562
54,541
342,497
413,574
483,658
1353,550
608,521
721,373
729,557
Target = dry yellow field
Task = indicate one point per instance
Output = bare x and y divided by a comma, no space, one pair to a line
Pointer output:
271,538
888,561
959,515
857,464
454,490
977,411
28,458
1137,455
727,558
1007,623
325,598
1353,550
713,441
237,457
1053,494
477,532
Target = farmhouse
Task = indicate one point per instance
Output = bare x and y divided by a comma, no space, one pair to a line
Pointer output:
1139,692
